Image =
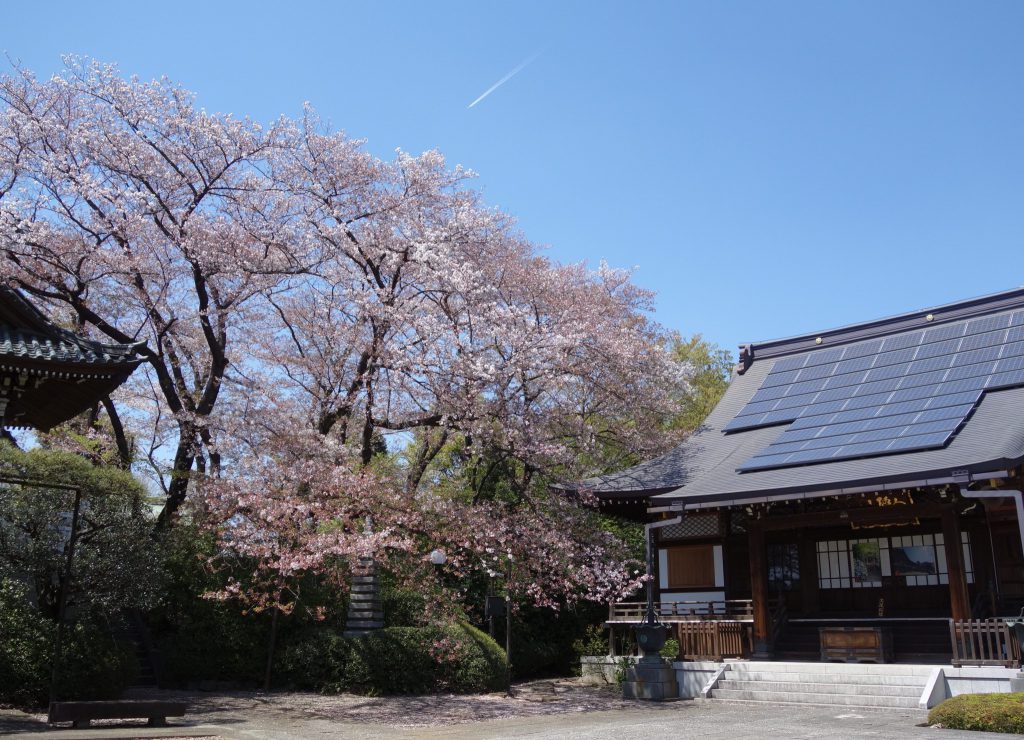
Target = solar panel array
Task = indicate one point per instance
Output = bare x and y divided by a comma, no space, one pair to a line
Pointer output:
902,393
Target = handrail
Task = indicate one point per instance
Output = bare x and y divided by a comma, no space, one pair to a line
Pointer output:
741,610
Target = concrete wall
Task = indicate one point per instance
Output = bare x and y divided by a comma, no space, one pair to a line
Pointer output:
977,680
601,669
693,675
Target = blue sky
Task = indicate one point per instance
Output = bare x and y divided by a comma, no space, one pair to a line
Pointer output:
769,168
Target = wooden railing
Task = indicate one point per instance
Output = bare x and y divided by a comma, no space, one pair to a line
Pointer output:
714,640
631,612
983,642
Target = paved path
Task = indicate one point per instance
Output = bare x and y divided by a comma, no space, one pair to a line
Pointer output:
555,710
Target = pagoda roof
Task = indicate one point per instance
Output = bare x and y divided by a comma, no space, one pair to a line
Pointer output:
49,374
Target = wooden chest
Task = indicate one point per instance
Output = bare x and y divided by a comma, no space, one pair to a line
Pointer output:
856,644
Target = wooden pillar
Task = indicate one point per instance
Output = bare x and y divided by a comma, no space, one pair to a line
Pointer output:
959,600
759,592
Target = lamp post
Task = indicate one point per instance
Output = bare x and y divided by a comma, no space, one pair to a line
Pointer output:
650,634
508,628
437,557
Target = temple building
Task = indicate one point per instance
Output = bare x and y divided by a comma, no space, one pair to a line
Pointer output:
49,374
865,479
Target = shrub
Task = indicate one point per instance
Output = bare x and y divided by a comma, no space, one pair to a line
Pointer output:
593,642
544,642
117,564
209,639
93,666
396,660
402,608
986,712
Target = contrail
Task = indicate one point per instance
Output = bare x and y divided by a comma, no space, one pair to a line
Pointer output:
506,78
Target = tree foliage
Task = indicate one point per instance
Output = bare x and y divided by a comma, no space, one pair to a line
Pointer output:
117,563
711,367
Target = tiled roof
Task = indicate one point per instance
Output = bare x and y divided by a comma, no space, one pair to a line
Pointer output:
715,464
27,335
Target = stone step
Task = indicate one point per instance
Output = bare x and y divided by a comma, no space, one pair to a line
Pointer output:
863,679
369,624
821,688
364,597
879,669
364,579
361,589
360,614
802,697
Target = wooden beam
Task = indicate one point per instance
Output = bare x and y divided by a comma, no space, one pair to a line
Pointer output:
759,591
959,600
844,517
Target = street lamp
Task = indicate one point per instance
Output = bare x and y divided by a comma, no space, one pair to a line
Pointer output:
437,557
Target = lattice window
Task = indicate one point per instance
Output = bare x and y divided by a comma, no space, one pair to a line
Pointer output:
920,559
738,519
834,564
693,525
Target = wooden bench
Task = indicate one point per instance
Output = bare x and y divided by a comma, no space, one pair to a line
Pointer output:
856,644
83,712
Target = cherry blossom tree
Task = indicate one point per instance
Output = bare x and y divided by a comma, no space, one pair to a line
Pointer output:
344,353
144,218
429,320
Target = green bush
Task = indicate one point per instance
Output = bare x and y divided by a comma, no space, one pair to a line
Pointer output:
986,712
546,642
93,665
208,639
593,642
402,608
395,660
215,642
670,649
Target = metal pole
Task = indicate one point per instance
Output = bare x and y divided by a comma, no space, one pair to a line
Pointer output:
508,629
63,597
270,649
651,617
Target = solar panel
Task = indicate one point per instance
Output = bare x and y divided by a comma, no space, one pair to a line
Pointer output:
905,392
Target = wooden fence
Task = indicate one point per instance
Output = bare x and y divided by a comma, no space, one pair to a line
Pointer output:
984,642
714,640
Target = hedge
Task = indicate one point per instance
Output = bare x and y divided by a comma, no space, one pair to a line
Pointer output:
986,712
93,665
395,660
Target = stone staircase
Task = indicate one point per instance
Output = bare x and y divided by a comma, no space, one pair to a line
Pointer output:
891,685
365,612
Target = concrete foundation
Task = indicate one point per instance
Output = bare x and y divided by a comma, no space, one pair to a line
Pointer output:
652,679
894,685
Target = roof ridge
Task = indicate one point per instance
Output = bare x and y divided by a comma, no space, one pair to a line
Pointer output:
934,316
